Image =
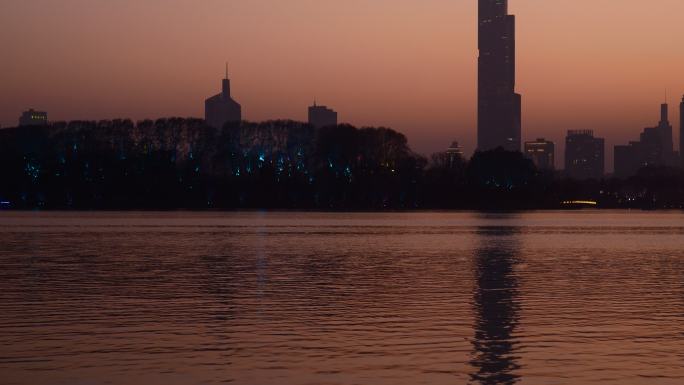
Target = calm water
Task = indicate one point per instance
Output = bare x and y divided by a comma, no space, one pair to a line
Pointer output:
341,299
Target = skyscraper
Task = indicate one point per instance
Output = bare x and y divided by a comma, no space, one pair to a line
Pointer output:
584,155
499,107
665,133
654,148
322,116
681,131
656,142
221,108
454,154
542,152
628,159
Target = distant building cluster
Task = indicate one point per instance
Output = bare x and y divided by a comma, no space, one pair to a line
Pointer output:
221,109
585,154
655,147
499,114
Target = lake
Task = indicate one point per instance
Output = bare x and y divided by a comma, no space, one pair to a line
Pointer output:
581,297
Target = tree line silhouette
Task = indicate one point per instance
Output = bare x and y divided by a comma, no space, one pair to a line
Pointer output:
181,163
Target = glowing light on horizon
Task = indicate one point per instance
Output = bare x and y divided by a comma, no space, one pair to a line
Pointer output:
590,203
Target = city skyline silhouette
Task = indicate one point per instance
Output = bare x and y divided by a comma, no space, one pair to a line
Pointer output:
569,81
384,192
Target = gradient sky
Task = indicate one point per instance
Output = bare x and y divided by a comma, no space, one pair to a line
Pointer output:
410,65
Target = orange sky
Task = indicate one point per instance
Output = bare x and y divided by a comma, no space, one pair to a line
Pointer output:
410,65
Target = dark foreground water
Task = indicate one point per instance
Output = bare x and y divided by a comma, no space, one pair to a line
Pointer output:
323,299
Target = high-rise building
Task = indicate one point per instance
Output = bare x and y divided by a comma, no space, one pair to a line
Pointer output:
627,159
33,118
322,116
221,108
542,152
584,155
654,148
681,131
499,107
656,142
454,154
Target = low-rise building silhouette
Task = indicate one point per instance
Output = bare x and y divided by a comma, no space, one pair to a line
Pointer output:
542,152
221,108
654,148
322,116
584,155
33,118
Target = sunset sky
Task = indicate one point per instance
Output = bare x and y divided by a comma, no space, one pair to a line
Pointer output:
410,65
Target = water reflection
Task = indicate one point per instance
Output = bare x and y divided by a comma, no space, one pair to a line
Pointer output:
495,306
344,299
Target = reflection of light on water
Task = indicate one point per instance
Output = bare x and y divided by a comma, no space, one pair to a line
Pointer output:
496,307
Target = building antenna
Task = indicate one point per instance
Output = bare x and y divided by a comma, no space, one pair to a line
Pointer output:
226,70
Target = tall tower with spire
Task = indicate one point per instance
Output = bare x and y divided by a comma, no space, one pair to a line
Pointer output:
221,108
499,106
665,133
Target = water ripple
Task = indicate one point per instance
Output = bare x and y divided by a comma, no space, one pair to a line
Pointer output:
342,299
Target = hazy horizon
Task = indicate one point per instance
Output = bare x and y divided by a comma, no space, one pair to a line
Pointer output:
601,65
